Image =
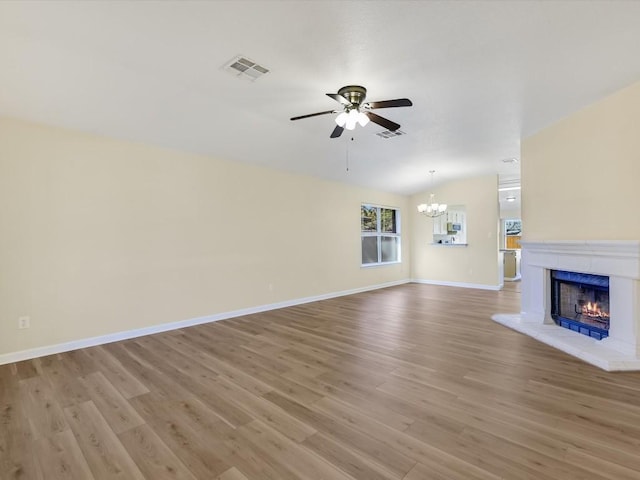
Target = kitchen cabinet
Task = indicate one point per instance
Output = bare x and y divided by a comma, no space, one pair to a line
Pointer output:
440,225
511,264
451,228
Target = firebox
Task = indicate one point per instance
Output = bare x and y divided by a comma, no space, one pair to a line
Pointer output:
580,302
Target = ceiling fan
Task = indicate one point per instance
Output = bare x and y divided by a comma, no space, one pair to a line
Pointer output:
356,110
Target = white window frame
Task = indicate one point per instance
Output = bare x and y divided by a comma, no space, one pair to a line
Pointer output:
379,234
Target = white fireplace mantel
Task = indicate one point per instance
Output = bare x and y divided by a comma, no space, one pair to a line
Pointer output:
617,259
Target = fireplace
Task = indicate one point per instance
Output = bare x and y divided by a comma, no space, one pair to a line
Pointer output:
552,292
580,302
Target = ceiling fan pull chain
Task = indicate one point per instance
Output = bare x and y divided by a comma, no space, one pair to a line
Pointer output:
348,156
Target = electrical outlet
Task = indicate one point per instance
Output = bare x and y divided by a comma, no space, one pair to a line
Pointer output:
24,322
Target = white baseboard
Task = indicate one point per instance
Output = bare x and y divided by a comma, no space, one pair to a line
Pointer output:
128,334
458,284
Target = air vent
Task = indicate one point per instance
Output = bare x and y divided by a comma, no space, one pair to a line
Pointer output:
241,66
390,134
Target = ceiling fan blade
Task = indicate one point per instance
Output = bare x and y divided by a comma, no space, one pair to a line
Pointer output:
337,132
399,102
339,98
383,122
313,114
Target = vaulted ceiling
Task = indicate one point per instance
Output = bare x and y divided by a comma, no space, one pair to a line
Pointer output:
481,75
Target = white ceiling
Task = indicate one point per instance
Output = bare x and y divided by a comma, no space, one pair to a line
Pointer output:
482,75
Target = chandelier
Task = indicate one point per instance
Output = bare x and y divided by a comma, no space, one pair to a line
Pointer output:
432,209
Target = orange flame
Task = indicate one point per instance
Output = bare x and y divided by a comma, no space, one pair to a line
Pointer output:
594,311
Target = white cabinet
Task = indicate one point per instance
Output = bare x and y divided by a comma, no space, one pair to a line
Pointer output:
440,225
451,228
456,216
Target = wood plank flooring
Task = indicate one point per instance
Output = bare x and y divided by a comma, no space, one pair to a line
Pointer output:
411,382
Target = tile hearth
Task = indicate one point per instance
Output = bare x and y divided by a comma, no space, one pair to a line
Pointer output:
580,346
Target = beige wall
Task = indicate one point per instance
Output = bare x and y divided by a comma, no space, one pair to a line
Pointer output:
478,262
580,176
101,236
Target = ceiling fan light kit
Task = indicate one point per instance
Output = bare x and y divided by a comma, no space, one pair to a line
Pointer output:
349,120
356,111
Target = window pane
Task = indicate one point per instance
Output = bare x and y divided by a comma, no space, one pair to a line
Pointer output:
390,249
388,220
369,216
369,250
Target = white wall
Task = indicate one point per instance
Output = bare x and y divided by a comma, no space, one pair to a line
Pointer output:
102,236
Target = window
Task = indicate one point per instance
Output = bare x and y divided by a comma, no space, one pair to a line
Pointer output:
380,234
512,233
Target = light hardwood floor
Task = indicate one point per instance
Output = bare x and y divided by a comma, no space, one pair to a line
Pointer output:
411,382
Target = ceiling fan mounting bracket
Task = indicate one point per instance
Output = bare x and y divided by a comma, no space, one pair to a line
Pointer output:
353,93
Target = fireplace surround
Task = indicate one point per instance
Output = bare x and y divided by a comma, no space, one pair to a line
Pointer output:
619,260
